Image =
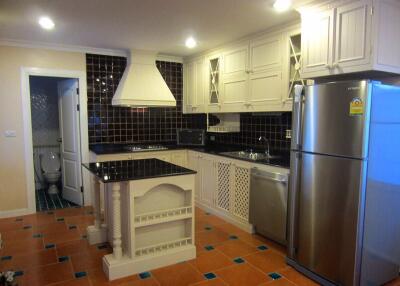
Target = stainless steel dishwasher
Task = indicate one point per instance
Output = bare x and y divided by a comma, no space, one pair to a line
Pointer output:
268,203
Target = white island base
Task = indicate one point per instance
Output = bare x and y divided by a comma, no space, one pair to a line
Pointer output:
149,223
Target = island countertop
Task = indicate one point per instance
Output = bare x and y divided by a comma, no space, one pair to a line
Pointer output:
128,170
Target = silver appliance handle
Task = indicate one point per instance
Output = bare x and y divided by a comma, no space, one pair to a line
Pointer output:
275,177
293,207
298,102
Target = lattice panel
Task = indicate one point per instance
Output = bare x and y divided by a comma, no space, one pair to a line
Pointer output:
242,192
223,195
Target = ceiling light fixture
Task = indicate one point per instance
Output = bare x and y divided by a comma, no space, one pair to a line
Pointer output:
190,43
282,5
46,23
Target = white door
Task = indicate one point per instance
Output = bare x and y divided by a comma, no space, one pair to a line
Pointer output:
235,78
353,32
70,145
317,42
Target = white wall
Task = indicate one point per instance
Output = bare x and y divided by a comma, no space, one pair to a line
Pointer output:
13,195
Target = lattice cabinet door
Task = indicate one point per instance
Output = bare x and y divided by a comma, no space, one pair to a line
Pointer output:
223,199
241,192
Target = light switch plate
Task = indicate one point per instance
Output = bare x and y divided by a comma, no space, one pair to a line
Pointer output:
10,133
288,133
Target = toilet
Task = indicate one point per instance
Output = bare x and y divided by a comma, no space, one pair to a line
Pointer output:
50,165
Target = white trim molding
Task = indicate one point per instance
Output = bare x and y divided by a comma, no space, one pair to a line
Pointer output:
83,118
58,47
81,49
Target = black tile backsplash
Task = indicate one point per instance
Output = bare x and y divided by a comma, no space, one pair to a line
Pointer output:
272,125
109,124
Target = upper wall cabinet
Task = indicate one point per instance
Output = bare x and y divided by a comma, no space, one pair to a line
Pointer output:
350,36
265,73
247,76
235,78
194,86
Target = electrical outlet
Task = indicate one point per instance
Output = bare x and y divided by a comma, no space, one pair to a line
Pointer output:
288,133
212,138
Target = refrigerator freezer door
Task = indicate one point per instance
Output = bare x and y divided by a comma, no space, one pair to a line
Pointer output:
327,229
336,117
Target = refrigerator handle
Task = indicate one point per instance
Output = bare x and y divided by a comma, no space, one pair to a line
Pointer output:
298,100
293,203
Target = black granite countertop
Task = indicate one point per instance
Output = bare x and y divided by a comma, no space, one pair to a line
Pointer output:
128,170
213,149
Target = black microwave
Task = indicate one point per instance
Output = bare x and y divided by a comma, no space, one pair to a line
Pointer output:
191,137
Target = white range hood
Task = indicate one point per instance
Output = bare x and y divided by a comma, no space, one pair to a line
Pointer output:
142,84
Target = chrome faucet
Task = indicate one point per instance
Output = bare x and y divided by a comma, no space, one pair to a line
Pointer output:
263,138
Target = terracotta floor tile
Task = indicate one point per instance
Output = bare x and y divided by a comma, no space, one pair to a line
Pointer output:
267,261
29,260
212,237
97,277
236,248
209,261
69,212
38,219
82,219
210,220
395,282
50,228
52,273
72,247
242,274
60,237
257,240
279,282
231,229
213,282
199,212
10,224
86,261
297,278
141,282
75,282
21,246
19,234
180,274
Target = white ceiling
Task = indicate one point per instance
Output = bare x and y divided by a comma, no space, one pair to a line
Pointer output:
160,25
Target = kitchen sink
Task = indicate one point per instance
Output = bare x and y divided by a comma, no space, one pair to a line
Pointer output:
250,155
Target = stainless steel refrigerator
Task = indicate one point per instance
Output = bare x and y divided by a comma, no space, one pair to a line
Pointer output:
344,197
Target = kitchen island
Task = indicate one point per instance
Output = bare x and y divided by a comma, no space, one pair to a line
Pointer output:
148,214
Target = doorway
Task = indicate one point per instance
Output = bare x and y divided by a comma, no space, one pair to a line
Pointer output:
56,142
82,196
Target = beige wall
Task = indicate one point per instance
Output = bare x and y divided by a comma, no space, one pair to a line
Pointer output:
13,194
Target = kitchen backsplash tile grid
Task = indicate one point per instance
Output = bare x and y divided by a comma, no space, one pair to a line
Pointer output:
273,126
108,124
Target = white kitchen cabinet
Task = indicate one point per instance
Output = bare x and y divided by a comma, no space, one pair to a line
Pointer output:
317,27
235,78
194,86
213,82
179,158
207,179
265,74
344,37
193,164
353,34
223,191
241,190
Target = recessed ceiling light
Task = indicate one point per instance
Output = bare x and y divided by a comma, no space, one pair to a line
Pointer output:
46,23
282,5
190,43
